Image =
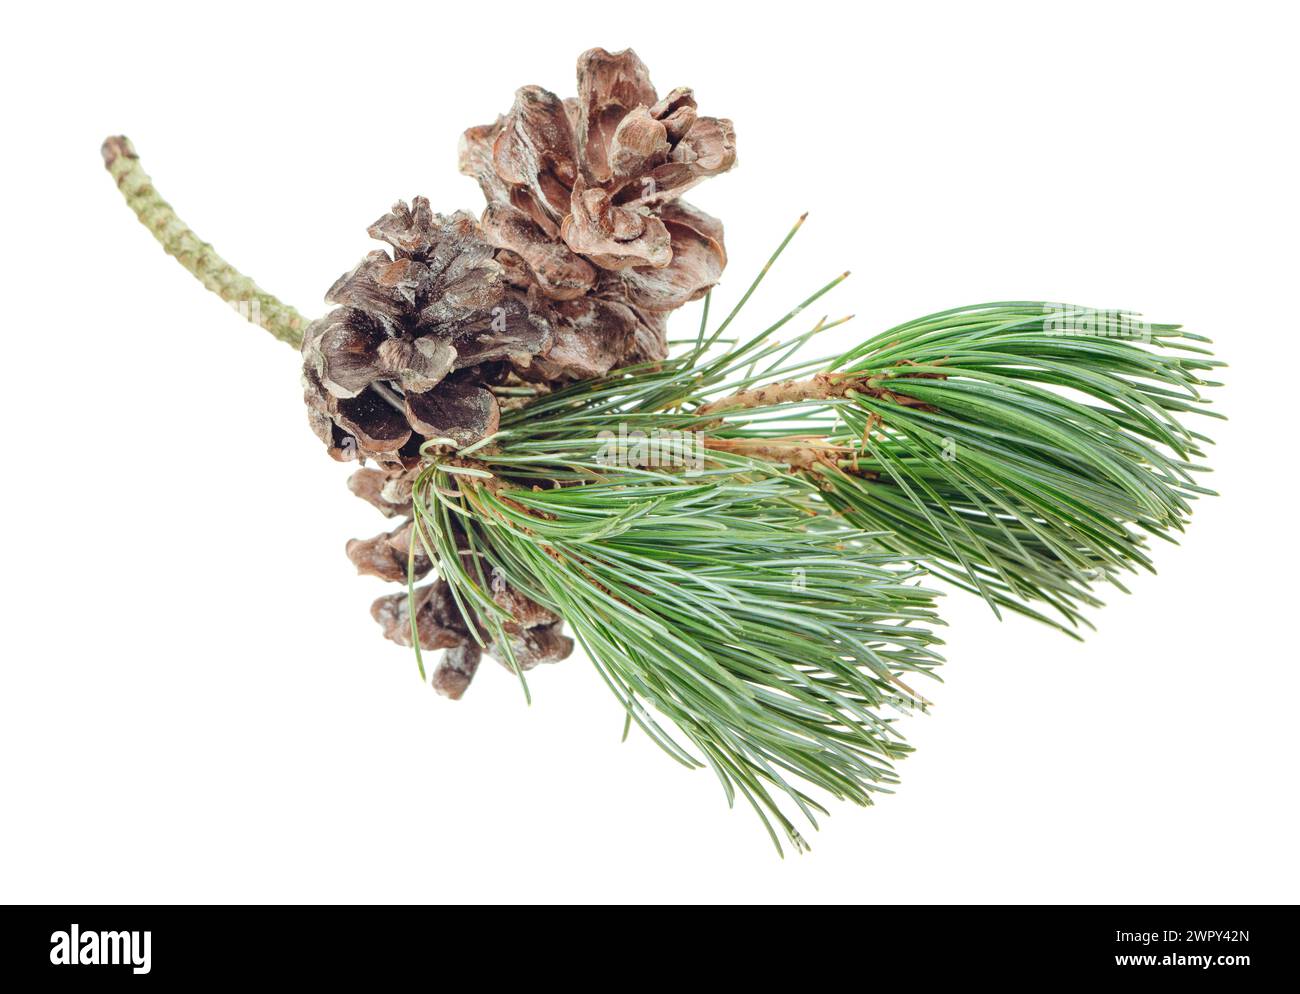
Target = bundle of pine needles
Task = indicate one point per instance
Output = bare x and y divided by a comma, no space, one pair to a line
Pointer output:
756,587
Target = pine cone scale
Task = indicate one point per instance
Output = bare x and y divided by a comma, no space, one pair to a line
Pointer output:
459,410
610,86
560,272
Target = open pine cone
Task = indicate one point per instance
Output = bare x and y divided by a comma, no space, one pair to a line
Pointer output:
416,341
583,202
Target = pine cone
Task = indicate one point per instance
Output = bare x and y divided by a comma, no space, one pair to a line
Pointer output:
534,632
416,341
583,204
535,636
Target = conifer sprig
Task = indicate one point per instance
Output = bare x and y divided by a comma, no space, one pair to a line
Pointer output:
764,599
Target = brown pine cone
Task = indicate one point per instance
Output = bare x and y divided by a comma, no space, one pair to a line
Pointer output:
534,633
583,204
419,336
535,637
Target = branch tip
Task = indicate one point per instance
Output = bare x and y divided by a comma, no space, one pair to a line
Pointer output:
117,147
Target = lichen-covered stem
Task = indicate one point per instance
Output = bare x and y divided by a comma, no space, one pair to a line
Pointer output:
196,255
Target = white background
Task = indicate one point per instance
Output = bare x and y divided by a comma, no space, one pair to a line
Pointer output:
194,702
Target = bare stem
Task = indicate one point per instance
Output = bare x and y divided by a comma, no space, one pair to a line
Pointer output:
196,255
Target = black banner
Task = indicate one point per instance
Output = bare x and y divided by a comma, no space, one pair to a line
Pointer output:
134,946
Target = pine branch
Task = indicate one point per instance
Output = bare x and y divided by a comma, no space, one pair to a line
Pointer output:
197,256
763,598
